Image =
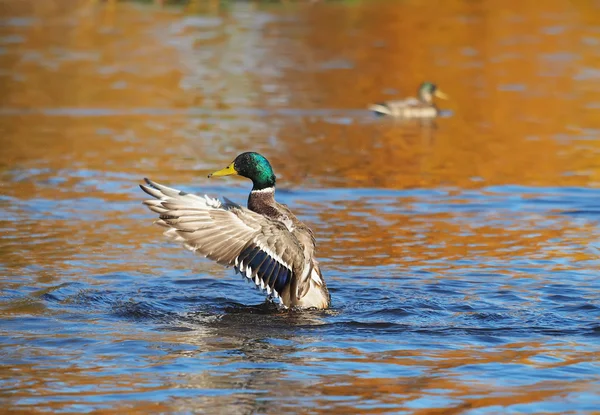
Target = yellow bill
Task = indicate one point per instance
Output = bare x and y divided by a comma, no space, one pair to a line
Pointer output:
227,171
440,94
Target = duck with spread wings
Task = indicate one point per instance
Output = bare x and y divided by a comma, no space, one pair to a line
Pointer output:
265,242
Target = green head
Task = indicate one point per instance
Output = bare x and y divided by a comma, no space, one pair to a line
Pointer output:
253,166
427,90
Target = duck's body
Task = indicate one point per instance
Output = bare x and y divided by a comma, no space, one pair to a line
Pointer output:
406,108
421,107
264,242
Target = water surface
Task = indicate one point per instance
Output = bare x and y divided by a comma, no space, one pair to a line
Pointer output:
462,255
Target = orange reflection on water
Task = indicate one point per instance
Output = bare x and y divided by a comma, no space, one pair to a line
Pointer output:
97,96
450,376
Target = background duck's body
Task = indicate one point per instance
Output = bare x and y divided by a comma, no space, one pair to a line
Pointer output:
265,242
421,107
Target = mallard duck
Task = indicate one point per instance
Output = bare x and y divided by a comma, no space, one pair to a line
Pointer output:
265,242
421,107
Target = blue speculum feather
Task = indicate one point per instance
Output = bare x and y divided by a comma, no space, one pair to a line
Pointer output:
265,277
268,269
256,252
247,254
258,260
273,281
269,278
282,279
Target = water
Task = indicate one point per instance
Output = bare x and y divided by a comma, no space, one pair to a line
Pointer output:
462,256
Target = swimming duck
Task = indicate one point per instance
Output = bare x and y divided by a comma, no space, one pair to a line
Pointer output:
265,242
421,107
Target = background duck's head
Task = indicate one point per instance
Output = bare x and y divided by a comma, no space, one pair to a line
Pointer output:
428,90
253,166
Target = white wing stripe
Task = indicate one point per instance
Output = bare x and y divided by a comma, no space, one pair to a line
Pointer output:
271,254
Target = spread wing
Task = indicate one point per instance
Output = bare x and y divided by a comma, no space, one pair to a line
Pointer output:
263,250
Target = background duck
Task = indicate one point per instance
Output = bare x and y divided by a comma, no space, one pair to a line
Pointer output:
265,242
420,107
